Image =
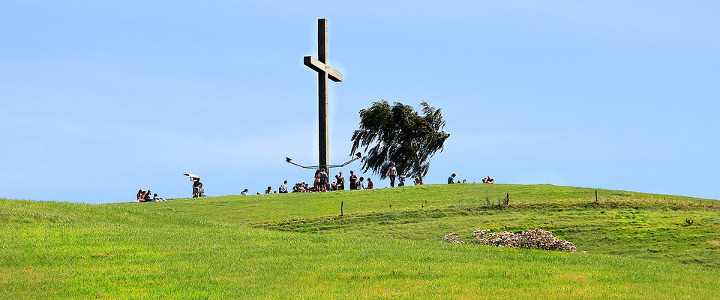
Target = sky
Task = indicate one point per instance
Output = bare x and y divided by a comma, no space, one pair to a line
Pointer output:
99,99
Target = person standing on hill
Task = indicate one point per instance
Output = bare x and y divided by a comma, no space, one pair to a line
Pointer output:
316,182
391,172
340,181
353,181
323,180
197,185
451,179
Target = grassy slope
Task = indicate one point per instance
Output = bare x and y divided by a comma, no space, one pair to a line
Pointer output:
387,245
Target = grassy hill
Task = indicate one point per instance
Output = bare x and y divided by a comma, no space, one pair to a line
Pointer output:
387,245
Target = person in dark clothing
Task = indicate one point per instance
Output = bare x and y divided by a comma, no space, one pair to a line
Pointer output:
353,181
196,187
323,180
148,196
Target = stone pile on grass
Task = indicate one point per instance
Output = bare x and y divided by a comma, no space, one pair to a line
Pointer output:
452,239
529,239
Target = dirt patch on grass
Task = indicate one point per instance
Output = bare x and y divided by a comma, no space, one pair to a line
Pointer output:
714,244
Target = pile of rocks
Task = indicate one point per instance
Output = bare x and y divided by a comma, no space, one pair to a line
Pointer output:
529,239
452,239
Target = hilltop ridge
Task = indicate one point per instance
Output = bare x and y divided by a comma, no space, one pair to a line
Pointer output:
387,244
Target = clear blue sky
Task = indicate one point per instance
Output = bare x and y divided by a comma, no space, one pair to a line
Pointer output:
101,98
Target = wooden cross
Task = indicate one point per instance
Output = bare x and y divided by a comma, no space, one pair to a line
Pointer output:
324,72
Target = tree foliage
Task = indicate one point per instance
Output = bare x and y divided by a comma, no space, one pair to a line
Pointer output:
399,134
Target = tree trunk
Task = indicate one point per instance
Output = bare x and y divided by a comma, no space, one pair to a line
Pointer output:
420,171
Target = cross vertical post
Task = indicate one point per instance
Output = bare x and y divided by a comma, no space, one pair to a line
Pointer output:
323,96
324,72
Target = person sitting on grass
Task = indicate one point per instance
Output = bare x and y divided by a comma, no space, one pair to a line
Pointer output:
283,188
451,179
148,196
200,190
156,198
244,192
488,180
361,184
370,184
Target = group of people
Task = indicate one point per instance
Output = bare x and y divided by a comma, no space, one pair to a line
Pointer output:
359,183
198,190
147,196
487,179
321,183
392,173
301,187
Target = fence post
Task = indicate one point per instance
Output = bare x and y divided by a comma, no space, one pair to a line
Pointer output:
596,197
342,208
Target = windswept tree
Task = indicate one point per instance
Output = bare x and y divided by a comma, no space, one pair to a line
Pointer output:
399,134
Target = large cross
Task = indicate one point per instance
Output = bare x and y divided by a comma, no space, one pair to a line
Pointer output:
324,72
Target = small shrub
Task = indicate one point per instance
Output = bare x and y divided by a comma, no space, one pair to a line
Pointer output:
689,222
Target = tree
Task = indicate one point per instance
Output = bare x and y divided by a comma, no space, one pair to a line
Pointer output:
399,134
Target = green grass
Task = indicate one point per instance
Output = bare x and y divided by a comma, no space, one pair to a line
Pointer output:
387,245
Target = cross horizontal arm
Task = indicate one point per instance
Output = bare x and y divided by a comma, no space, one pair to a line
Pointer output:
318,66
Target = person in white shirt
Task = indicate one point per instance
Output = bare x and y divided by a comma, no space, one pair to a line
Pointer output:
391,172
360,184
